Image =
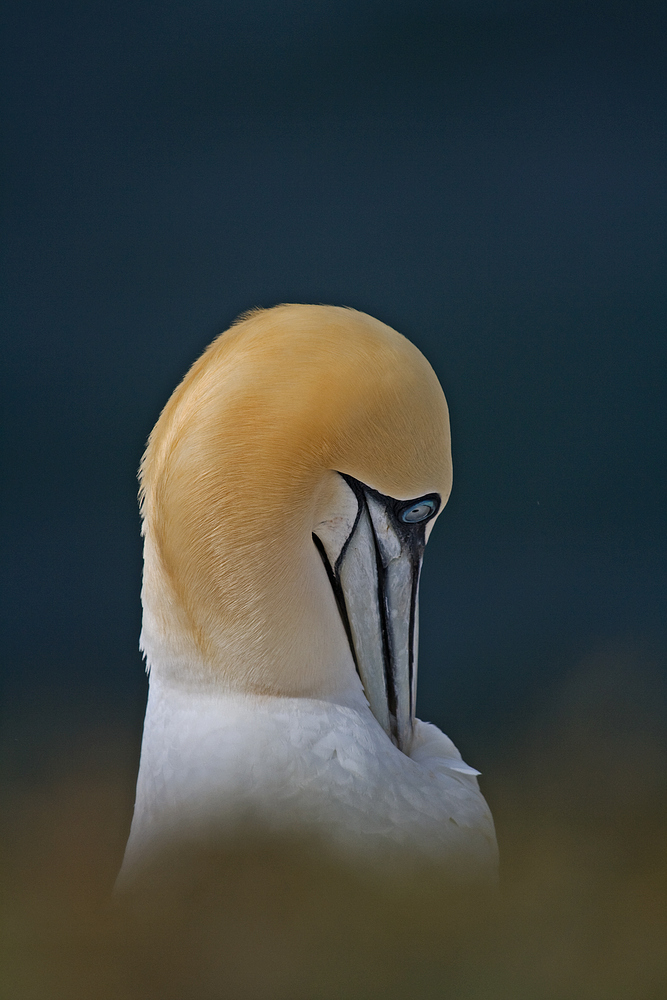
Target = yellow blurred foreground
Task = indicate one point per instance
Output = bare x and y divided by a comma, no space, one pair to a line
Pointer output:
581,911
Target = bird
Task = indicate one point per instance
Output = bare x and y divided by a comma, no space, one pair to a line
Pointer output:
287,493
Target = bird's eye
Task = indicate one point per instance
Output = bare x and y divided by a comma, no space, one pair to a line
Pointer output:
418,512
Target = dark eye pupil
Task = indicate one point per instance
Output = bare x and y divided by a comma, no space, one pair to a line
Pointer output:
418,512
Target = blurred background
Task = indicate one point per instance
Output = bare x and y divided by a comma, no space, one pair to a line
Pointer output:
488,178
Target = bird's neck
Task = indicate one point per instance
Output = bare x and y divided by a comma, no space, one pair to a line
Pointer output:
293,643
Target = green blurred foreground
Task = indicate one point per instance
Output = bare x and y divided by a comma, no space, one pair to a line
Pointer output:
581,911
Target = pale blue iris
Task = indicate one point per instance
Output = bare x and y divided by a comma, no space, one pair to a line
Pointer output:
418,512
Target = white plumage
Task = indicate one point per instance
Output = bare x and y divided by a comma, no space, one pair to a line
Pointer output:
217,763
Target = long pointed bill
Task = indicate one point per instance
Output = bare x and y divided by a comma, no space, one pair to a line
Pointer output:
376,582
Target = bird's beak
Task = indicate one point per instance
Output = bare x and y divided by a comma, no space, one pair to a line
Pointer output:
375,578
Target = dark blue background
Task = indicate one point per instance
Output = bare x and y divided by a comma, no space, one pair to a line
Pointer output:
488,178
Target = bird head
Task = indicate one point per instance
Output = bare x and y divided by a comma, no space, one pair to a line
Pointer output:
288,490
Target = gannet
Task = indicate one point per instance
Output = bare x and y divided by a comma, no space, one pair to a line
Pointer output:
287,492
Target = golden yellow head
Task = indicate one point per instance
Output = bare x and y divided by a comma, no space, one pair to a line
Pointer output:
241,461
